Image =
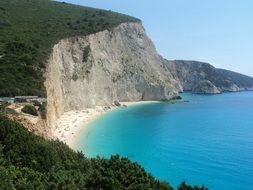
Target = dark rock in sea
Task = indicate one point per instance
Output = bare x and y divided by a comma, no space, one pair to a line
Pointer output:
107,108
176,98
116,103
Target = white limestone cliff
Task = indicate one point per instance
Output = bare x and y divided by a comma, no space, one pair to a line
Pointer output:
96,70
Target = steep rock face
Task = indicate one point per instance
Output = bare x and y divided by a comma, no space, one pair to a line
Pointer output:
191,73
205,87
99,69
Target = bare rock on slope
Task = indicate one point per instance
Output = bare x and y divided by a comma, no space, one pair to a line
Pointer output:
190,73
117,65
205,87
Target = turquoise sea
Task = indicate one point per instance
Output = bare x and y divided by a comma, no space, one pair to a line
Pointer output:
208,140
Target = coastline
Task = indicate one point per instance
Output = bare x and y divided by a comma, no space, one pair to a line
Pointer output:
71,124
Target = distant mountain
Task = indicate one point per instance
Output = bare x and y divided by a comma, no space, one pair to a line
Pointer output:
200,77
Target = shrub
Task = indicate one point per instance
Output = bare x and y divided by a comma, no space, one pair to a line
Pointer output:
74,77
30,109
184,186
34,163
28,161
36,103
86,53
11,111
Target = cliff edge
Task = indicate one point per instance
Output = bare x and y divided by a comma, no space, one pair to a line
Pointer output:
120,64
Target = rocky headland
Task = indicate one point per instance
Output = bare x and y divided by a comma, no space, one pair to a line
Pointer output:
199,77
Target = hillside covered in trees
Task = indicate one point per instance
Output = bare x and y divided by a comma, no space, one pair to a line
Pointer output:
28,161
28,31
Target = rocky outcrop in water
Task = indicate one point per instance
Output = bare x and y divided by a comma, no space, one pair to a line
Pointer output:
193,74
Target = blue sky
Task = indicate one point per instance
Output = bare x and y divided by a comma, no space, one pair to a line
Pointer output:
216,31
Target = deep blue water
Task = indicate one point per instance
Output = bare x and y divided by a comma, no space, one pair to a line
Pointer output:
208,140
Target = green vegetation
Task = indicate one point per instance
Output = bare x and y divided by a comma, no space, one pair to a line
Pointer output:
86,53
30,109
28,31
74,77
41,108
184,186
10,111
3,107
28,162
4,110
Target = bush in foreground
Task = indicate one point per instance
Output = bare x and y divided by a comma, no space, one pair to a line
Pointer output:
30,162
184,186
30,109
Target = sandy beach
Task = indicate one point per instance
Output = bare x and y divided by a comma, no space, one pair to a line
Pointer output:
72,123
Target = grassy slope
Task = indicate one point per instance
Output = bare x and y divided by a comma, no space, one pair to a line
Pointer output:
29,29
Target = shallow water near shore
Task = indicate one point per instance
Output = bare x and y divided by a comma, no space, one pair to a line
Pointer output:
208,140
